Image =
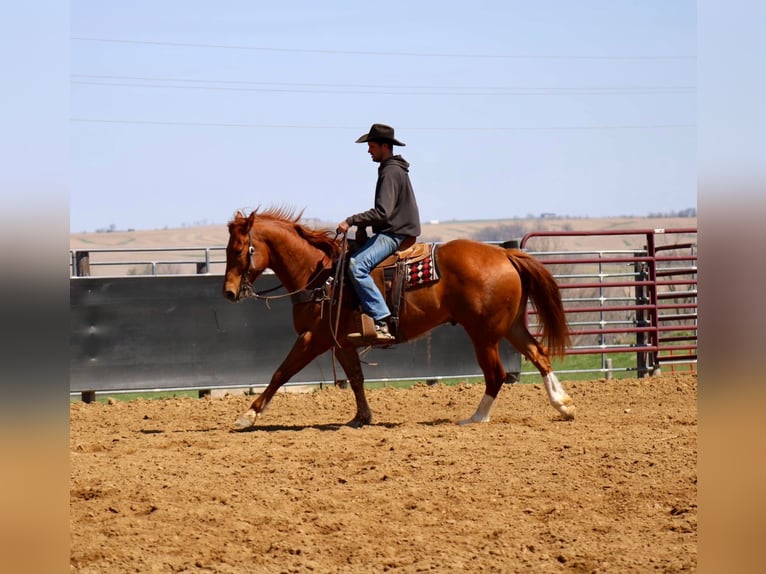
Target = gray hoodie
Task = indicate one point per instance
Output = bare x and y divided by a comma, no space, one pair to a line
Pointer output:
396,210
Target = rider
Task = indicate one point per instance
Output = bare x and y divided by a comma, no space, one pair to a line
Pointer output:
394,219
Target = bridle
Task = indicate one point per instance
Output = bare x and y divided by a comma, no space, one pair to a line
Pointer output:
246,284
304,295
330,291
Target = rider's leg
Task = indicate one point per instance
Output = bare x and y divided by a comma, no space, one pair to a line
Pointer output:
361,264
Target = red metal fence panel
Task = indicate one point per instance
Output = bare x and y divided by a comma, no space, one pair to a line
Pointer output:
641,300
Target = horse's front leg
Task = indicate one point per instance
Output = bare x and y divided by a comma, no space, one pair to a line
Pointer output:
305,349
349,360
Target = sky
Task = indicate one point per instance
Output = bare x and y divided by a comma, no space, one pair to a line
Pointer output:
183,112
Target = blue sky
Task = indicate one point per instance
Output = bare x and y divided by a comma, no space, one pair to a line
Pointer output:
184,111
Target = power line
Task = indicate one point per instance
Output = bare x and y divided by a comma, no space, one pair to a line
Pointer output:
304,88
376,53
433,129
387,93
384,86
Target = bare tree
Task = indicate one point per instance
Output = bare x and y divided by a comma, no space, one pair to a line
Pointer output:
500,232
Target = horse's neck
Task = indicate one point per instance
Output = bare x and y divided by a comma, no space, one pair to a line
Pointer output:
294,260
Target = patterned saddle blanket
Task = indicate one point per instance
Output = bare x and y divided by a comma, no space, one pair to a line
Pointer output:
417,263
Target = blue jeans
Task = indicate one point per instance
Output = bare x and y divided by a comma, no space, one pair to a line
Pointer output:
361,264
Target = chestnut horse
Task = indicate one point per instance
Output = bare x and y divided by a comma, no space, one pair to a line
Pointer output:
482,287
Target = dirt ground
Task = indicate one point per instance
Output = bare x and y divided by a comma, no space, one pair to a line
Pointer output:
164,486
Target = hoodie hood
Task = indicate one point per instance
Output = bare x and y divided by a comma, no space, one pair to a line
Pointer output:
397,160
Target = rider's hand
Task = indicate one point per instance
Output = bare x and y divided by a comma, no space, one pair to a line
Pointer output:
343,226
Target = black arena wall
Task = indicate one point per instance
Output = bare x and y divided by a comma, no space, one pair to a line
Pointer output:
171,332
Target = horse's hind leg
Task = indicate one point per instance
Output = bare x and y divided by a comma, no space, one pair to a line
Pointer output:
526,344
488,356
349,360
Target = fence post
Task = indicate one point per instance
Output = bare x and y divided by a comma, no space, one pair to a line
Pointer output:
513,374
640,270
82,263
654,334
601,324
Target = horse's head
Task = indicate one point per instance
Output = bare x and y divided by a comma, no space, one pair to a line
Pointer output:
246,257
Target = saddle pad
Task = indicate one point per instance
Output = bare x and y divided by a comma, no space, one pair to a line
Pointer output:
422,272
418,269
415,252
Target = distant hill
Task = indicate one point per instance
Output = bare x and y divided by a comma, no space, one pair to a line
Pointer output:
486,230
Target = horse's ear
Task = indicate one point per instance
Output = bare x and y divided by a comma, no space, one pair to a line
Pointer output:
239,216
251,219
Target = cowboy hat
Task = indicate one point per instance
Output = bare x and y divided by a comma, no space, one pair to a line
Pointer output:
380,133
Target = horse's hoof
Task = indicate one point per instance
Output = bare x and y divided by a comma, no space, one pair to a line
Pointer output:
358,423
471,420
245,420
567,411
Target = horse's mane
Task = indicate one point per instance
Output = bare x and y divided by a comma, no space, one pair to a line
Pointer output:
322,239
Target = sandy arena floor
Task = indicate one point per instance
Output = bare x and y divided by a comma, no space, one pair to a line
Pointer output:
163,486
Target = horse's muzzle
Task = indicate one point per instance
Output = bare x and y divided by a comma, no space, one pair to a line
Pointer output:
230,295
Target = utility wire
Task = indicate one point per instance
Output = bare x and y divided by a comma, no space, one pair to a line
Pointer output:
376,53
82,78
451,129
388,93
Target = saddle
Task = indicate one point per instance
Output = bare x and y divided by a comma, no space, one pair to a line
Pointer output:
405,269
410,266
407,250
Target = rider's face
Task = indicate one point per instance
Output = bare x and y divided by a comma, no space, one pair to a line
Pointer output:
376,151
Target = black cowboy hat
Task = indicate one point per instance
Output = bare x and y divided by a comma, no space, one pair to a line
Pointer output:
380,133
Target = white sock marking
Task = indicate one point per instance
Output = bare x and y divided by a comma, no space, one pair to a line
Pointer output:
483,412
558,396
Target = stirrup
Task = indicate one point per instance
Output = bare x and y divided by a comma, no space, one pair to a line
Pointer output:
381,337
382,334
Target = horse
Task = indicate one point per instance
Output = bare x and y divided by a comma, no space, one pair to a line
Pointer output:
482,287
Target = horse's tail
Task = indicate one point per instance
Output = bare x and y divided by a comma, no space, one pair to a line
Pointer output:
543,289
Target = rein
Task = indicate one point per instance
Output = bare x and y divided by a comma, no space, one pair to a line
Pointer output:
246,286
299,295
340,274
306,294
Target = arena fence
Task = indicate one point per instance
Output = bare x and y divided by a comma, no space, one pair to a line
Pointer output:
154,318
639,301
177,332
116,262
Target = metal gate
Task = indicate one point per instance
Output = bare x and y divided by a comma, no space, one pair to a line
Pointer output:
639,301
